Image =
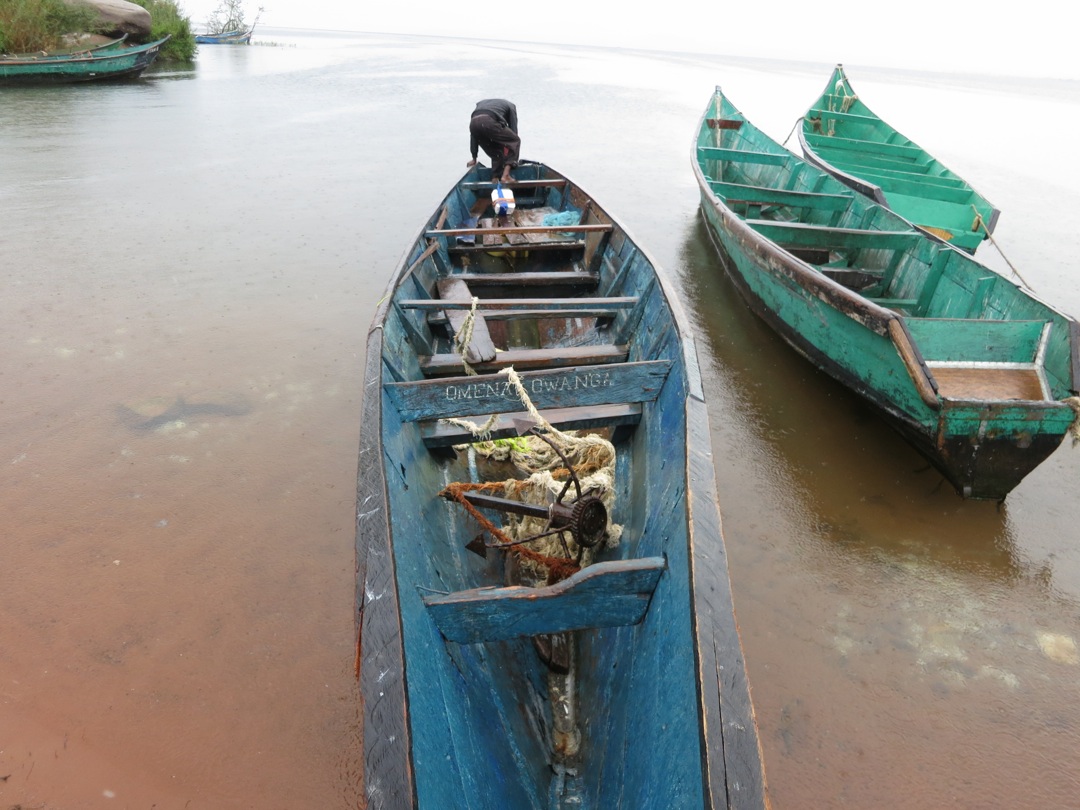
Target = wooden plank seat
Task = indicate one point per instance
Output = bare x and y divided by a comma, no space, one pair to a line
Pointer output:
548,304
481,348
801,234
578,387
488,185
911,153
600,313
616,593
529,278
596,227
451,363
437,433
758,195
744,156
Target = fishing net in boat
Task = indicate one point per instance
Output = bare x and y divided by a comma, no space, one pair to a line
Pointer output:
557,464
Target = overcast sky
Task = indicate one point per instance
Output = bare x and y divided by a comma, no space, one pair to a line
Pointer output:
1024,39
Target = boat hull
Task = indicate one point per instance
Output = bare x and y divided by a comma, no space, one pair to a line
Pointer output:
983,450
983,447
108,64
664,716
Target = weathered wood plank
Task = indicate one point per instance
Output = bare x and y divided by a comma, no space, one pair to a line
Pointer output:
738,192
573,278
488,185
620,302
451,362
554,388
504,230
607,594
443,434
796,233
745,156
480,349
854,144
493,315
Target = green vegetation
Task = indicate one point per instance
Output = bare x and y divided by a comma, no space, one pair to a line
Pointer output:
38,25
28,26
166,18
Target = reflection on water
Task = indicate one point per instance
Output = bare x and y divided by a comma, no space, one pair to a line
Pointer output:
190,263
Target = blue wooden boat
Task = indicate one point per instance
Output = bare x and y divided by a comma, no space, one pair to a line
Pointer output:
239,37
586,655
843,136
973,369
112,61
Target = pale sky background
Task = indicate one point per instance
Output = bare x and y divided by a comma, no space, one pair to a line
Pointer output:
1034,39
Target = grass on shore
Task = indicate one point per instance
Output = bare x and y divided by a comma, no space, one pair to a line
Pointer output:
28,26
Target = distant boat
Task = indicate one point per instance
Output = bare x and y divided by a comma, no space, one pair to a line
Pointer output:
974,370
557,667
110,61
843,136
226,38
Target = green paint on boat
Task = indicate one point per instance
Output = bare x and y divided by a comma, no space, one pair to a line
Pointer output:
975,371
843,136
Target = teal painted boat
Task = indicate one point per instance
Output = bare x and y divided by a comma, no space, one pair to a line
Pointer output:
543,605
114,61
843,136
975,371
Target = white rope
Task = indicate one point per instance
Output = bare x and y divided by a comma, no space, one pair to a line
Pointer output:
980,224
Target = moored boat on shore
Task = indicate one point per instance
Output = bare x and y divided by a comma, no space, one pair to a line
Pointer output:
974,370
112,61
843,136
532,394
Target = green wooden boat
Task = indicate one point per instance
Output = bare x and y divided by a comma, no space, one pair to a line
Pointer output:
110,62
843,136
972,369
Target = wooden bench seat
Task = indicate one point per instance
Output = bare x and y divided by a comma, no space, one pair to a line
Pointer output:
606,594
529,278
450,363
795,233
587,386
744,156
551,304
437,433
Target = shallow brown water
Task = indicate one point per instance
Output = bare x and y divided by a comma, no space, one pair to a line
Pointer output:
204,249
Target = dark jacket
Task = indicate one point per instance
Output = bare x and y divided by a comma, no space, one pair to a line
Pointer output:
500,109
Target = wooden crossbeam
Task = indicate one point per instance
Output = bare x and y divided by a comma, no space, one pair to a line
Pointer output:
744,156
527,278
760,195
437,433
436,365
501,230
622,302
796,233
553,388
